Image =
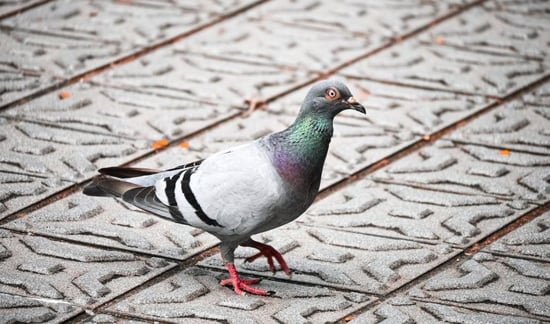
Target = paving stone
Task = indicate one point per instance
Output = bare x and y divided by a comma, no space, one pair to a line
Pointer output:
195,295
530,240
18,84
21,309
53,55
9,6
461,69
420,312
412,213
313,34
520,125
509,27
64,38
32,62
422,112
507,286
87,276
352,261
101,318
173,73
138,23
473,169
122,113
540,98
41,159
111,223
20,190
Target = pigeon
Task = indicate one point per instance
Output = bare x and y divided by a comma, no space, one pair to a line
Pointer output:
249,189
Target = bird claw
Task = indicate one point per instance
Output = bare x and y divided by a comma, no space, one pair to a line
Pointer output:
242,286
269,253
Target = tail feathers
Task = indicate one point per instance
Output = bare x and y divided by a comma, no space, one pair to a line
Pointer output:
120,172
104,186
145,198
123,172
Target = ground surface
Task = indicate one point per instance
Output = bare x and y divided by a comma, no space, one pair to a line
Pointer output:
434,208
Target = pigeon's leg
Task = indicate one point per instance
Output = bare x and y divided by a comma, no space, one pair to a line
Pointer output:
269,252
241,286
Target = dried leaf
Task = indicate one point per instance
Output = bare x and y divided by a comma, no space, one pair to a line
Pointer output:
504,152
184,145
64,95
440,40
160,144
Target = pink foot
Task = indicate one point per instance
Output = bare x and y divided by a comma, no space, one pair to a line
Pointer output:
269,252
242,286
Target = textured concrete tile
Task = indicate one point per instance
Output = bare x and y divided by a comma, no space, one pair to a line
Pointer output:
40,159
50,54
352,261
475,170
173,73
39,267
111,223
531,239
63,38
413,213
393,108
21,309
507,286
401,309
21,190
103,318
313,34
194,294
32,62
130,24
135,115
9,6
463,69
16,84
509,27
519,125
540,97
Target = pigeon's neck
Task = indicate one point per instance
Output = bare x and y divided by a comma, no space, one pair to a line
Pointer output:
300,151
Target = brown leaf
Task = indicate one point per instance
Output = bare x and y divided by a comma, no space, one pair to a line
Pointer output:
64,95
160,144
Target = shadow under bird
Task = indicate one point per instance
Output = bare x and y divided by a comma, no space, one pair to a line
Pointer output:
245,190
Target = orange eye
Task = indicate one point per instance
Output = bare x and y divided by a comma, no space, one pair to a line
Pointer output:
332,93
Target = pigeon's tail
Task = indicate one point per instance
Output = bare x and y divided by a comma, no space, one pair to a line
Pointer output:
115,181
105,186
137,187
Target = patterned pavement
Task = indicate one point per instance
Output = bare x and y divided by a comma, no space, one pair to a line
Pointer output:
435,207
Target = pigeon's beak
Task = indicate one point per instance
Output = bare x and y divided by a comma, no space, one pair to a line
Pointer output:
355,105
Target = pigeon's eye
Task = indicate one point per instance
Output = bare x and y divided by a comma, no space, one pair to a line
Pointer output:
332,93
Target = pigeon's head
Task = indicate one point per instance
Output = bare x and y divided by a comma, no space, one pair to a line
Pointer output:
330,97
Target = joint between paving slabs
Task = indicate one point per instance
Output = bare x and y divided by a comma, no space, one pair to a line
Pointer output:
181,265
126,59
460,258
